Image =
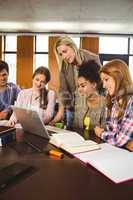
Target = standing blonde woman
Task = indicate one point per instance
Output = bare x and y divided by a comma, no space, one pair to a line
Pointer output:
119,120
69,58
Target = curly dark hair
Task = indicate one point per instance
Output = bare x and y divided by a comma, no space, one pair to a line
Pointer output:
90,71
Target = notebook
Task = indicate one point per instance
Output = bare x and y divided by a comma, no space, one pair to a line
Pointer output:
12,173
115,163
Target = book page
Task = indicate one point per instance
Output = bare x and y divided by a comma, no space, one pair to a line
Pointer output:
66,139
83,147
3,122
55,129
113,162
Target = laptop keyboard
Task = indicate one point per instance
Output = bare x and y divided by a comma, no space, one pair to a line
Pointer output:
51,132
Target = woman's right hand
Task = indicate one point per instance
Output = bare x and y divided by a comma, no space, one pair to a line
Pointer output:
11,123
52,123
98,131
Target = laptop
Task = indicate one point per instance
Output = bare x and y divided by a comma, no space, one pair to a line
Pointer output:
31,122
36,133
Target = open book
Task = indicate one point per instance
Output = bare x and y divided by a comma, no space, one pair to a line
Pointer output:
73,143
115,163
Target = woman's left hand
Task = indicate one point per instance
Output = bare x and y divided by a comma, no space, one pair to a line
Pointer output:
98,131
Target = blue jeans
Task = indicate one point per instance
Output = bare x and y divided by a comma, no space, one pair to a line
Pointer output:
69,118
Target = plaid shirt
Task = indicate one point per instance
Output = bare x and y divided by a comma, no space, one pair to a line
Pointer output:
119,131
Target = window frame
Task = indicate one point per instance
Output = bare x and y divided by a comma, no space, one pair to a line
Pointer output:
38,52
6,52
108,57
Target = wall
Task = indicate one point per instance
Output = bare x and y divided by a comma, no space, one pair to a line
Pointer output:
25,57
0,47
25,61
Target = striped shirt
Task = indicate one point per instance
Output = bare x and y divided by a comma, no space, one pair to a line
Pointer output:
119,131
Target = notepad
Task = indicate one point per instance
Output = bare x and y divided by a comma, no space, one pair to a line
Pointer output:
115,163
73,143
11,173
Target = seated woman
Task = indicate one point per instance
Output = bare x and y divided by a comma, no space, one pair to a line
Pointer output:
88,85
119,117
38,97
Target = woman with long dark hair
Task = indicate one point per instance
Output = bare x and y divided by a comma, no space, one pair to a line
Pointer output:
38,97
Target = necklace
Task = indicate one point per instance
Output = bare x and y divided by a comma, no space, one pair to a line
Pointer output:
93,100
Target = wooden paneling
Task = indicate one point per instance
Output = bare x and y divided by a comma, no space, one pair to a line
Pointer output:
1,47
54,83
25,61
90,43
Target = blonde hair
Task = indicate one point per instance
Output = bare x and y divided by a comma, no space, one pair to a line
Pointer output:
65,40
119,71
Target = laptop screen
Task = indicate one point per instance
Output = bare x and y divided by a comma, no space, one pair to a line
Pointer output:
31,122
